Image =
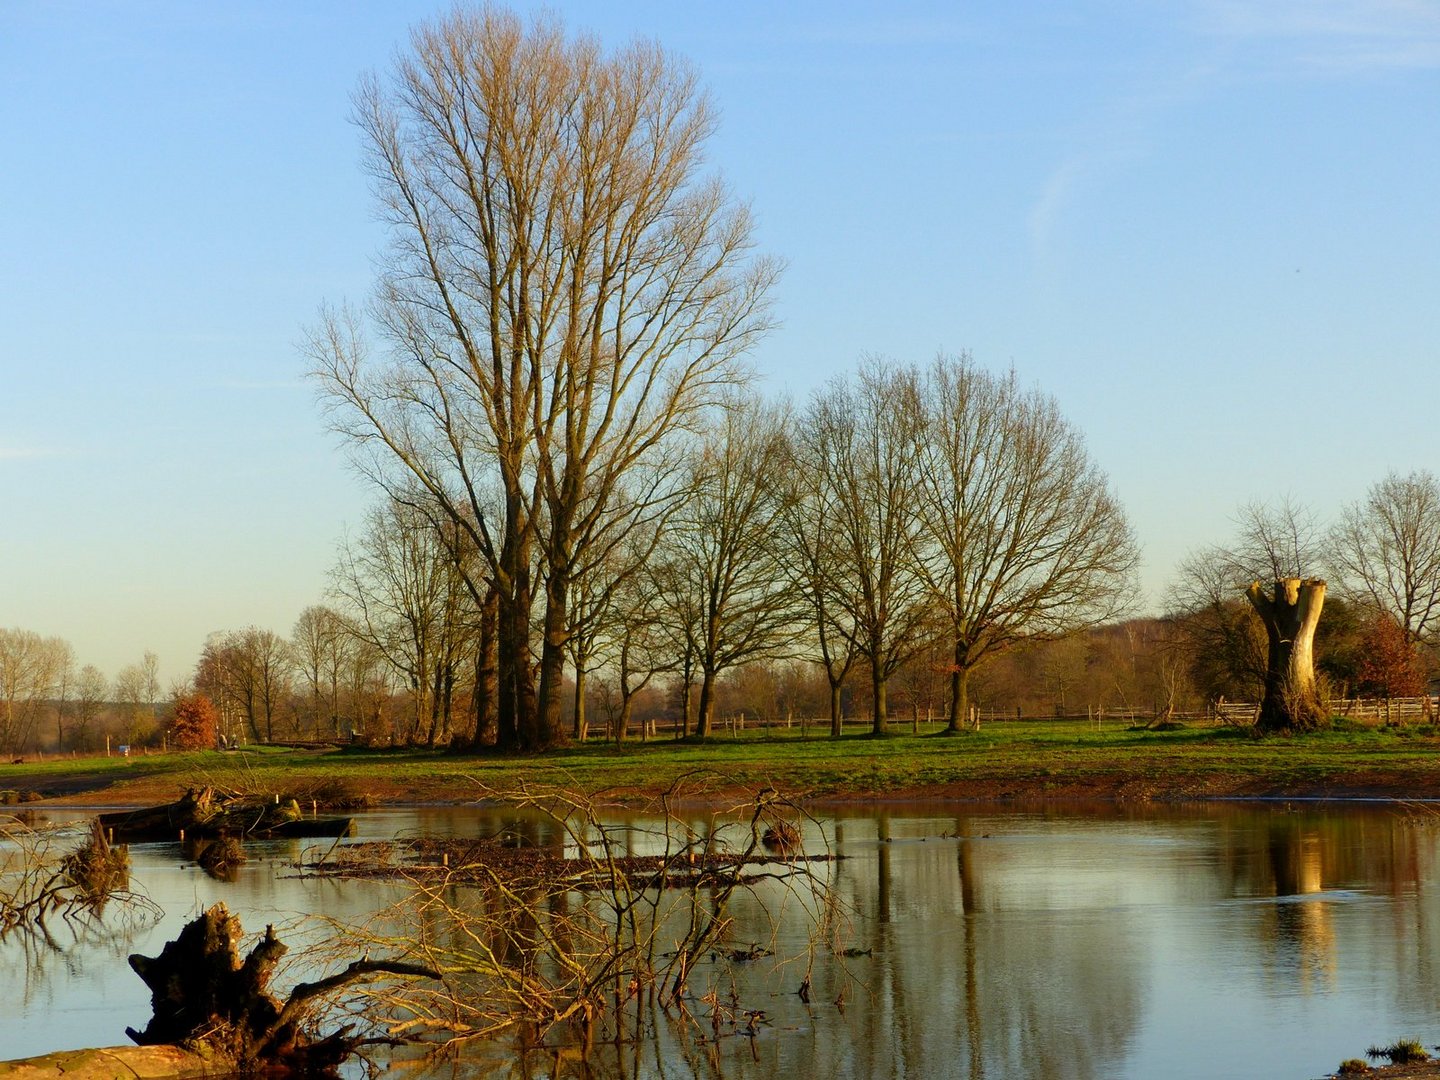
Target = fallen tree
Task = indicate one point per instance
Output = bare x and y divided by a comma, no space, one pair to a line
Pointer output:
210,813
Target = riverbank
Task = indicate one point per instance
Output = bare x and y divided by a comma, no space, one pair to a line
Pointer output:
1019,761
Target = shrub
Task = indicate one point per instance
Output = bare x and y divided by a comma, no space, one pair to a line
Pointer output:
192,726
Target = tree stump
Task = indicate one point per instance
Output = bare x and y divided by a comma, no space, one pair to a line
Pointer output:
206,998
1290,615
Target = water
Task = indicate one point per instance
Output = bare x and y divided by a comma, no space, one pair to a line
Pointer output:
1221,941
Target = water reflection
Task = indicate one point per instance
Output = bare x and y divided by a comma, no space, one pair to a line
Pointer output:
1221,941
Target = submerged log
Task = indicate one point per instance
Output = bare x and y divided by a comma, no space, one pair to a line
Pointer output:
204,812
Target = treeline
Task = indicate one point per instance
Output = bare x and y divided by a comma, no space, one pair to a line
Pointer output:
740,603
48,699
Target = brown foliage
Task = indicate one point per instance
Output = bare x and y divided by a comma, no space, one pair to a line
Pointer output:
193,724
1389,665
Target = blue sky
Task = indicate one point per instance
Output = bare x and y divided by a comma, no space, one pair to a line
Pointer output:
1210,229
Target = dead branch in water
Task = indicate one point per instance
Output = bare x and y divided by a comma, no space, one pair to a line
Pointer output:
44,876
579,924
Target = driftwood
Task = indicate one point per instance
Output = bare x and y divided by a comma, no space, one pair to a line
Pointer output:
107,1063
205,998
204,812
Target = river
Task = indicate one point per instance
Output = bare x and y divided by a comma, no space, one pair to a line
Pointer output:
1211,941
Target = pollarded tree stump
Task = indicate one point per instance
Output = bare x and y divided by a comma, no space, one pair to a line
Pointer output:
1290,615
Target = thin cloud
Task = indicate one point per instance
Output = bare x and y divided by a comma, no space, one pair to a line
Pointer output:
1241,40
889,32
1332,37
26,453
260,384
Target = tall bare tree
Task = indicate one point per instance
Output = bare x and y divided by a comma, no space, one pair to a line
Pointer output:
92,691
810,507
63,687
564,290
635,643
319,643
726,592
246,672
1386,551
862,439
1022,537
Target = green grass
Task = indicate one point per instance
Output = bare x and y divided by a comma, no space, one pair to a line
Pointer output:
1012,758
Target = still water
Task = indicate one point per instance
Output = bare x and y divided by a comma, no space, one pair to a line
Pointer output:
1223,941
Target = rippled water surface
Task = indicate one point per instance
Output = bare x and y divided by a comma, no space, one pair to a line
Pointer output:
1217,942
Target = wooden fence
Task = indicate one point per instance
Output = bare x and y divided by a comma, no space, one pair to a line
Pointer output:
1378,712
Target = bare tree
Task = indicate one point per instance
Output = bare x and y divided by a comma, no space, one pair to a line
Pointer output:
810,507
63,659
564,291
862,440
245,671
319,643
405,585
92,691
150,680
636,645
29,665
1022,538
606,581
1220,633
1386,550
136,718
726,592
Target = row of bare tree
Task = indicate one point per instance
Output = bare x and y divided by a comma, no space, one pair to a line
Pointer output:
549,375
45,695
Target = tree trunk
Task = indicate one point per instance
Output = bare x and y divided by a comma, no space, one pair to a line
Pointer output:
959,691
487,673
626,694
582,726
549,728
877,684
687,671
837,718
627,709
706,712
1291,702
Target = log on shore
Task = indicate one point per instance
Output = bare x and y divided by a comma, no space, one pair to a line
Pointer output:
108,1063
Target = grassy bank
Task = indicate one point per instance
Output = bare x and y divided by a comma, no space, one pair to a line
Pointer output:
1010,760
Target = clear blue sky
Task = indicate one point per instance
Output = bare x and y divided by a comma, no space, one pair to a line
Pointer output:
1211,229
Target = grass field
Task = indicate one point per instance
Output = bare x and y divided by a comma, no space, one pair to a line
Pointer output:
1007,760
